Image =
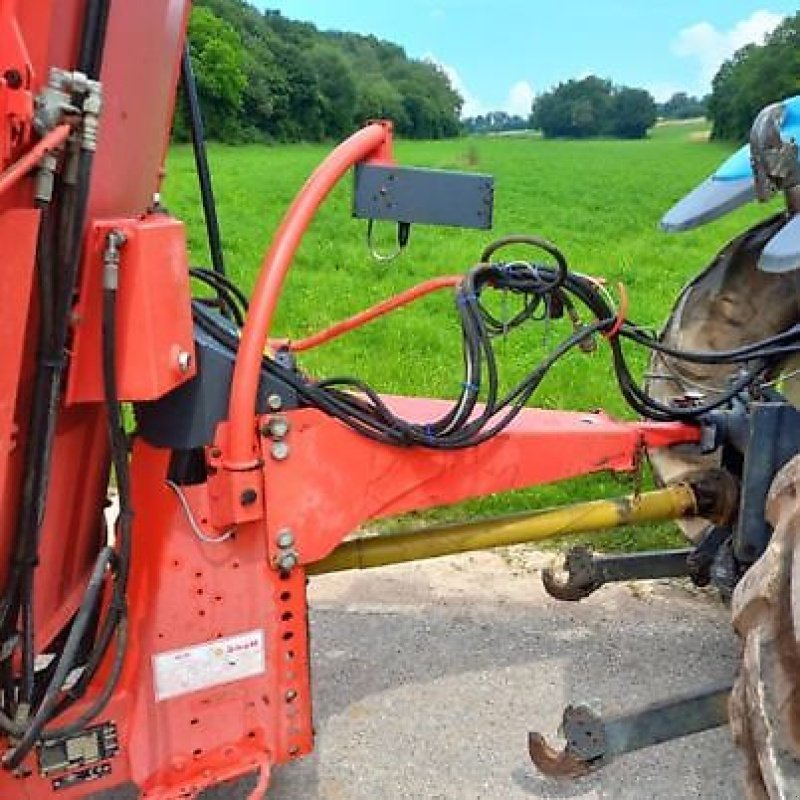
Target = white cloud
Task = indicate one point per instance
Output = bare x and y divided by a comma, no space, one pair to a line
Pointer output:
710,46
472,105
519,100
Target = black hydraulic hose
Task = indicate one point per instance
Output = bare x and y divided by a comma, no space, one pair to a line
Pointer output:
196,128
66,662
44,414
20,573
52,702
117,611
531,241
56,290
93,37
217,280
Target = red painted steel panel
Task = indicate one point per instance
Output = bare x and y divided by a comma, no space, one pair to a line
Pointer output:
154,318
16,277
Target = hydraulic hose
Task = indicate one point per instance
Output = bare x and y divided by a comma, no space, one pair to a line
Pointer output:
370,142
196,128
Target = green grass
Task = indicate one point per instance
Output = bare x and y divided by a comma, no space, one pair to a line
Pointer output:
599,200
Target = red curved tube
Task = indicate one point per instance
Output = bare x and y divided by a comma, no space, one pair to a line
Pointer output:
23,165
373,312
372,143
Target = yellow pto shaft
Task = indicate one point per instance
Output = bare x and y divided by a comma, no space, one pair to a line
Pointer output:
673,502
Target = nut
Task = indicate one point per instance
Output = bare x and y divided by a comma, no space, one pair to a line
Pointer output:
279,427
285,539
279,450
274,402
288,561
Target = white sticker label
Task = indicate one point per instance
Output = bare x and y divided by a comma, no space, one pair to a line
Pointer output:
179,672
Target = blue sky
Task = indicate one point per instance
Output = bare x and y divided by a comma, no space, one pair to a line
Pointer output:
498,53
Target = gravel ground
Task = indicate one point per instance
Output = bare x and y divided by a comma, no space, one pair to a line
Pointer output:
429,676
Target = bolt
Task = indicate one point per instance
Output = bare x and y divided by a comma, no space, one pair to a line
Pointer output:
291,695
215,452
294,750
184,361
248,497
279,450
279,427
288,561
274,402
285,539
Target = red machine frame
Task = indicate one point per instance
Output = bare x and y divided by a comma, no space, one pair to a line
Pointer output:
302,490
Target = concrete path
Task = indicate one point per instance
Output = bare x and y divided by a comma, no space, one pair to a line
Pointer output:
429,676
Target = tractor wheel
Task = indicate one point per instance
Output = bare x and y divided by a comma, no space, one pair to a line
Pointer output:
730,304
765,705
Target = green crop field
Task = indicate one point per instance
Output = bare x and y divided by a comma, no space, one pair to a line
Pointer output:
600,201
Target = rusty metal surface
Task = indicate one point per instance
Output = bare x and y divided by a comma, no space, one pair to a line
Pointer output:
592,742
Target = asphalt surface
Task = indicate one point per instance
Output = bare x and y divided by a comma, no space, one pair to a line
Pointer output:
428,678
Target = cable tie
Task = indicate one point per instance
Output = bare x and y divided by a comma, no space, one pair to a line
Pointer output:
466,297
429,435
470,387
622,312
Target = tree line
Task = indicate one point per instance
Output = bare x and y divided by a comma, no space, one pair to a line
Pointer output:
753,77
594,106
680,105
261,76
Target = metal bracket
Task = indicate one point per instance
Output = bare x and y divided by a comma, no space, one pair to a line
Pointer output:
592,743
586,572
425,196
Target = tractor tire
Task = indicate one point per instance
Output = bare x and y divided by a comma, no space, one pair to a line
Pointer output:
729,304
765,703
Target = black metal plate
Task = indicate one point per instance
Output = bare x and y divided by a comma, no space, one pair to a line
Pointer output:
425,196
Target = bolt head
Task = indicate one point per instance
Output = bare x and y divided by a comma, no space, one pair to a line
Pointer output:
274,402
285,539
279,450
287,562
279,427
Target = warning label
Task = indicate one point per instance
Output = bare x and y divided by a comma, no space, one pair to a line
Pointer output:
179,672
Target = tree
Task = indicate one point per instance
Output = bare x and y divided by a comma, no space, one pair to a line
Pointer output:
219,60
633,113
593,107
753,77
301,83
575,109
683,106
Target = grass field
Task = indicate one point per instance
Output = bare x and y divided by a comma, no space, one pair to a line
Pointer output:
600,201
